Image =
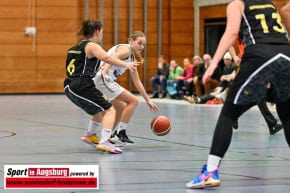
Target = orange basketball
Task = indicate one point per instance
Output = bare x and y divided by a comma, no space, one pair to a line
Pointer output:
160,125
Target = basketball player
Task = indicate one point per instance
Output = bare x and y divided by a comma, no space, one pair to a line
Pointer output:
266,60
273,124
123,100
82,61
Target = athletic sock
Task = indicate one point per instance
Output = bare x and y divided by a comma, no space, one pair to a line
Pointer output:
106,134
213,162
94,126
122,126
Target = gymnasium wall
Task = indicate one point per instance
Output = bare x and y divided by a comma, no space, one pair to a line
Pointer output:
36,64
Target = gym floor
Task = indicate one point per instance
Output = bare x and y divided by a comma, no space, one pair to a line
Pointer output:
46,130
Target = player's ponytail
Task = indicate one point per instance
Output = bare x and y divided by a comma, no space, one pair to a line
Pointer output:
139,58
88,28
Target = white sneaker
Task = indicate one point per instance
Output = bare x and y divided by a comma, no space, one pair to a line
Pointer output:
117,141
216,91
222,96
107,146
120,139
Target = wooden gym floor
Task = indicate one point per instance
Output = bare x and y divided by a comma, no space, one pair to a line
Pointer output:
48,130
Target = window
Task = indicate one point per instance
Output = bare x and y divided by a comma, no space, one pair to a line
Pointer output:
214,29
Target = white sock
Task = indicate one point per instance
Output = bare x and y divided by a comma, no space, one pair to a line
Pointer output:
121,126
93,127
106,134
213,162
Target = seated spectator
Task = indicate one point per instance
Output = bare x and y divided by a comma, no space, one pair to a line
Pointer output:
174,71
212,83
229,73
215,78
159,81
197,65
185,81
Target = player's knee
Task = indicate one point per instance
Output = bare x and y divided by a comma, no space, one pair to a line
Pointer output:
111,111
134,101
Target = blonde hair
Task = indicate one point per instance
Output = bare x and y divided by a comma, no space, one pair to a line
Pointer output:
197,58
134,36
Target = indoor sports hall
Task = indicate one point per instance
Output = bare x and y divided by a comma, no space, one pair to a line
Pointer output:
40,128
46,130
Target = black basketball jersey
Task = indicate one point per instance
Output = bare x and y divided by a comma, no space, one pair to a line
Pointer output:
78,64
261,24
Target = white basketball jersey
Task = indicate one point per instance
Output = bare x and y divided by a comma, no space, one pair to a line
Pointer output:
116,71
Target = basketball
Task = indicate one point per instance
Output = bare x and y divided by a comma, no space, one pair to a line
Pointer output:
160,125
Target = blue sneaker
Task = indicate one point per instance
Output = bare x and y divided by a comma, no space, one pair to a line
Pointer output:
205,179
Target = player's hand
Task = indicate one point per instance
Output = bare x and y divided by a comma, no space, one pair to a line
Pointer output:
208,73
132,66
237,61
153,107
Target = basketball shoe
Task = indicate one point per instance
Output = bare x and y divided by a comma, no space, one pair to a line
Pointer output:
91,139
216,91
205,179
222,96
120,138
189,99
276,128
108,146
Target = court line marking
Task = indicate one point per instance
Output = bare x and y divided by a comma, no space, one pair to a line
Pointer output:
7,134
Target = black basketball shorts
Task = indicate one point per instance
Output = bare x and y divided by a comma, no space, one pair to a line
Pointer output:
83,93
261,65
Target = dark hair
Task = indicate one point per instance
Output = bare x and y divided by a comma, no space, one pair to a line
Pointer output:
89,26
